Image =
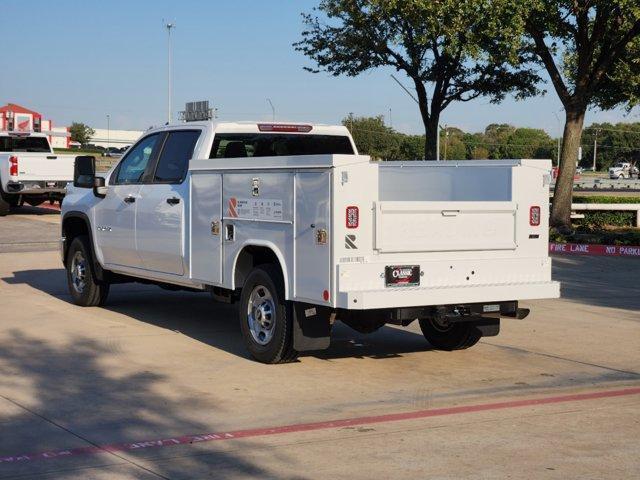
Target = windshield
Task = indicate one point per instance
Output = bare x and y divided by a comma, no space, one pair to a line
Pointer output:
24,144
235,145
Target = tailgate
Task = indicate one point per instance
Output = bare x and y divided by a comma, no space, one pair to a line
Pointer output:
42,166
423,226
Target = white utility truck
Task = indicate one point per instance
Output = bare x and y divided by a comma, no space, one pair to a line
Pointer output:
291,223
30,171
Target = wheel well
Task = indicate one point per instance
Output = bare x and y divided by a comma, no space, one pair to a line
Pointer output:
71,228
250,257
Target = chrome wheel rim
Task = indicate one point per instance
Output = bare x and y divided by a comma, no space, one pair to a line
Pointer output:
261,315
79,272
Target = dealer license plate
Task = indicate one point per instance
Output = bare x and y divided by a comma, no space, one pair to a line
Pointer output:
402,275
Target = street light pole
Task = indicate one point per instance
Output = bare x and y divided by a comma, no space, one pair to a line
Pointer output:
446,140
108,132
595,149
169,26
273,110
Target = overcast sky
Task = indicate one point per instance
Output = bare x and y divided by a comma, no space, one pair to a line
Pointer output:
79,60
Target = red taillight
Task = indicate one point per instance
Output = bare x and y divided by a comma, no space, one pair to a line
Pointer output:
280,127
353,217
13,166
534,216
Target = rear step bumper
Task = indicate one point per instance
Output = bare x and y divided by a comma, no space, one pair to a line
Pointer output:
424,296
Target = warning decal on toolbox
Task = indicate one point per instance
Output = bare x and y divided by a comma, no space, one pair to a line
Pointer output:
255,208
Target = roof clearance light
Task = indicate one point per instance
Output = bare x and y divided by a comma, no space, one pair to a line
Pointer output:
280,127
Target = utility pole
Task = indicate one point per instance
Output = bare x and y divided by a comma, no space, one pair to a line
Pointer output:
446,140
169,26
595,149
273,110
390,119
108,132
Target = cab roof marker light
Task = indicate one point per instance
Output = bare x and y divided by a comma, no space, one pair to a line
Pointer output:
281,127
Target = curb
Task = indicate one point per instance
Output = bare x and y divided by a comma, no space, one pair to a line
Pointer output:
597,250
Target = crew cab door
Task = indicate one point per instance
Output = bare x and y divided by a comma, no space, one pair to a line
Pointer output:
161,208
115,214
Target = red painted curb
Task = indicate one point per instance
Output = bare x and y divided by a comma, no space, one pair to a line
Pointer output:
306,427
601,250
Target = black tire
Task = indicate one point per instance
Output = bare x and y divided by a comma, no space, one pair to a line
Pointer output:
455,336
266,318
84,288
4,207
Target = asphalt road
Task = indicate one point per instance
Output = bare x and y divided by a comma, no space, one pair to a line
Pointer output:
128,391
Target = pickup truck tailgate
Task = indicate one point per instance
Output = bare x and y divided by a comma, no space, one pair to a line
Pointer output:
423,226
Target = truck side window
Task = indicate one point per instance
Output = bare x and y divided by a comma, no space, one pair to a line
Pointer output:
175,156
134,164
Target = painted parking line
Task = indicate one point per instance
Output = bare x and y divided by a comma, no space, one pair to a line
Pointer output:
306,427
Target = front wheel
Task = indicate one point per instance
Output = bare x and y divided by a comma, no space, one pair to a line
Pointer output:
84,288
444,335
266,319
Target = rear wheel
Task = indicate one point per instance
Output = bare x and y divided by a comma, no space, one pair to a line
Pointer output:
445,335
4,207
266,319
84,288
6,202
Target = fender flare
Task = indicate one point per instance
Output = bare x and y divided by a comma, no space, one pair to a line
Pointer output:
271,246
99,271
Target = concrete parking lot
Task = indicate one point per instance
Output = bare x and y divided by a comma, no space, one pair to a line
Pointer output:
158,385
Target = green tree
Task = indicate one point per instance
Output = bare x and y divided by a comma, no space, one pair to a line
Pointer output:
615,143
479,153
373,137
591,51
452,146
462,49
411,147
81,132
526,143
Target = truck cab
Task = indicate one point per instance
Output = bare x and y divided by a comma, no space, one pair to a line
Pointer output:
291,223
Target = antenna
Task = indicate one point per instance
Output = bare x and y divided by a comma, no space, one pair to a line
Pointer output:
169,26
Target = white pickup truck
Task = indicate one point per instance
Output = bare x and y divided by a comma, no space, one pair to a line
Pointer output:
29,170
291,223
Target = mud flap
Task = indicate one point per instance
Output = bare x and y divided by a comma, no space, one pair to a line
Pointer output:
311,327
488,327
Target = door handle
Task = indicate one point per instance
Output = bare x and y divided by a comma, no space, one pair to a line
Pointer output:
173,201
129,199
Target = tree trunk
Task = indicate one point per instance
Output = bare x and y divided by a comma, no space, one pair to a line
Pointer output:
563,194
431,138
430,120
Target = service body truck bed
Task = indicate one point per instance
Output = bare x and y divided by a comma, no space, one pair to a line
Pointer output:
303,240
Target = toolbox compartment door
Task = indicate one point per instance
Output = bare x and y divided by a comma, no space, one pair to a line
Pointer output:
312,240
444,226
206,228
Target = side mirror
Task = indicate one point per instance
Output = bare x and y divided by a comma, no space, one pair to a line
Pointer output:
99,188
84,171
